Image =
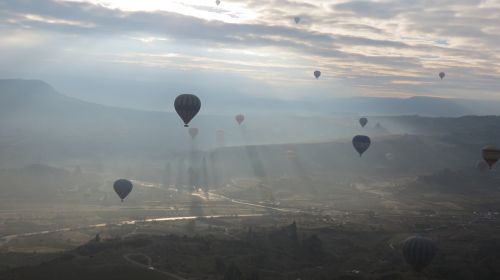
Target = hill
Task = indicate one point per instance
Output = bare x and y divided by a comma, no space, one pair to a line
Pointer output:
39,125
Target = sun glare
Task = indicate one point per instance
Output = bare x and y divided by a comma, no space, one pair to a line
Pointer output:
208,10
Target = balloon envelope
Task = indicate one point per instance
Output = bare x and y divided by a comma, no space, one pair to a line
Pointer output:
317,74
491,155
361,143
122,188
297,19
442,75
217,2
193,131
240,118
419,252
187,106
363,121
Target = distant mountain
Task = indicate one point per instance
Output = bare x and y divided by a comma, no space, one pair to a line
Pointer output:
158,96
40,125
373,106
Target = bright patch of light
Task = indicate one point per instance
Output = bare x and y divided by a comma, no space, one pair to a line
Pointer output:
208,10
149,40
49,20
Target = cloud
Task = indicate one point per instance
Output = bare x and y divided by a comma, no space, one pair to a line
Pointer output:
355,43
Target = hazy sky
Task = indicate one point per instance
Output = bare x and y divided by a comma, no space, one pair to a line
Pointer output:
98,49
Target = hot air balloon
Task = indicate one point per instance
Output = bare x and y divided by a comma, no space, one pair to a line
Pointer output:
297,19
219,132
187,106
122,188
361,143
491,155
217,2
291,155
389,156
317,74
240,118
363,121
419,252
193,131
482,166
442,75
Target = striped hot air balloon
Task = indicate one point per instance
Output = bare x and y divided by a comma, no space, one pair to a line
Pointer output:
187,106
418,252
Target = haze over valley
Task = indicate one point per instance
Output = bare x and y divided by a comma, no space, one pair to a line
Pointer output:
249,140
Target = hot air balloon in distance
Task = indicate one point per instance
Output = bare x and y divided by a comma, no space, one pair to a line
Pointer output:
296,19
419,252
363,122
482,166
442,75
389,156
240,118
317,74
361,143
193,131
217,2
219,132
291,155
491,155
187,106
122,188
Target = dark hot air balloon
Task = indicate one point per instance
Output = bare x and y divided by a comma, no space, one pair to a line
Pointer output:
217,2
419,252
122,188
442,75
240,118
317,74
363,121
361,143
187,106
491,155
193,131
297,19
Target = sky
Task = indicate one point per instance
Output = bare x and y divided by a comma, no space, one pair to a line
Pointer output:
129,52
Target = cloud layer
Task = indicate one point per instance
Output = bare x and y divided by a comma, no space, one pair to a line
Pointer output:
376,48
